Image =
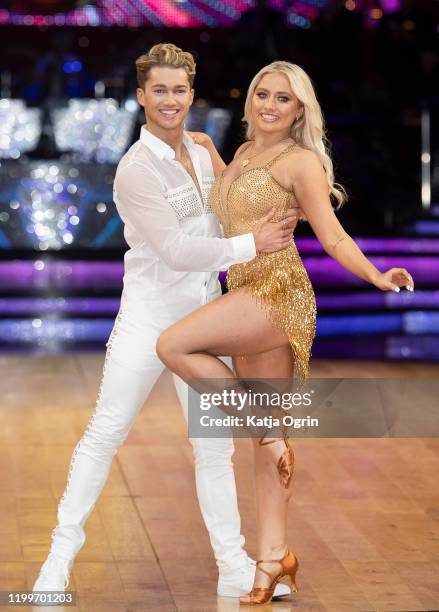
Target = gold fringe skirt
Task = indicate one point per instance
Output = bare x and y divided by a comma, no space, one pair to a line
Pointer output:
279,282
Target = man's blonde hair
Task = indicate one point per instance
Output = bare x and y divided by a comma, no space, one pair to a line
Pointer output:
164,54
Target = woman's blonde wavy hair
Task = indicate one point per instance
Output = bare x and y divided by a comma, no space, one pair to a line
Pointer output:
309,130
165,54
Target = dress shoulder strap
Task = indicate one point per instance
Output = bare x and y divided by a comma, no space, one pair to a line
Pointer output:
287,149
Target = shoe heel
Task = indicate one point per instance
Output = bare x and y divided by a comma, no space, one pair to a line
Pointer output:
292,571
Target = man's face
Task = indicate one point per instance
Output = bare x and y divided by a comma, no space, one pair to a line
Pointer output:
167,97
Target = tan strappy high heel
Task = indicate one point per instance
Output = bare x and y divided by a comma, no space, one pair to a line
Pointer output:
261,595
285,465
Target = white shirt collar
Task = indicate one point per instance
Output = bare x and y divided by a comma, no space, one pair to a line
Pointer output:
159,147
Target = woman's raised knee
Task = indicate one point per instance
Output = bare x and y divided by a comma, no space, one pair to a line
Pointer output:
166,348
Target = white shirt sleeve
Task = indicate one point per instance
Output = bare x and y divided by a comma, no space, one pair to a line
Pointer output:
142,203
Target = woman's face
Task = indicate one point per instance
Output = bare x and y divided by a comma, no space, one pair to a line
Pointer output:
274,105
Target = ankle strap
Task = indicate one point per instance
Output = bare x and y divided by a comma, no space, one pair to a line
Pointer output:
261,569
271,561
264,442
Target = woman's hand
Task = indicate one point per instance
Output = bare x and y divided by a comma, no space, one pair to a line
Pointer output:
271,236
201,138
205,141
393,279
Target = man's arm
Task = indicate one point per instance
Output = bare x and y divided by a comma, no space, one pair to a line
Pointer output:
143,205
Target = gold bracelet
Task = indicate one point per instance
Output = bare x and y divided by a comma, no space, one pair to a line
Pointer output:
338,241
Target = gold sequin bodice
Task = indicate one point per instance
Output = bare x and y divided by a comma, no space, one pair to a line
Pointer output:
277,280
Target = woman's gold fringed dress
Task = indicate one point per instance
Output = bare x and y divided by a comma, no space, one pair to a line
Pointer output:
278,281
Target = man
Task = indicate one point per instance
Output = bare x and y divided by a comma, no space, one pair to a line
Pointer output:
161,190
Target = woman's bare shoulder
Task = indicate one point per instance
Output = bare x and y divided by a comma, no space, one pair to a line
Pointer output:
301,153
298,164
301,160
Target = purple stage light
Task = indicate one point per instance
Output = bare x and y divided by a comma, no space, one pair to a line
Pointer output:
411,323
328,272
134,13
359,325
324,271
94,275
415,323
418,348
350,348
362,326
377,245
384,300
50,333
413,347
57,335
69,305
427,227
161,13
391,6
109,306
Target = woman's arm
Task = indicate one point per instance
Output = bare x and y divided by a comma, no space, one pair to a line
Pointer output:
310,187
205,141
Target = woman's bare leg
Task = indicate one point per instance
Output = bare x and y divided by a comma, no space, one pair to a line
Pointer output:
233,324
236,325
271,497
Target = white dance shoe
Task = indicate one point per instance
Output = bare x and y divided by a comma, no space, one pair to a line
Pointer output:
237,582
54,575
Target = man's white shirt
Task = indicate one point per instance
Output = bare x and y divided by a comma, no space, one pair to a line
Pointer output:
175,244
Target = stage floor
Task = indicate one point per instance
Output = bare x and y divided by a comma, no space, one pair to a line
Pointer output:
364,518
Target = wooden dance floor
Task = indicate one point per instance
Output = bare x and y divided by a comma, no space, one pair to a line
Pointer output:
364,519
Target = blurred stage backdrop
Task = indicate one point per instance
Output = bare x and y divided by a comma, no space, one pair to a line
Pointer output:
68,113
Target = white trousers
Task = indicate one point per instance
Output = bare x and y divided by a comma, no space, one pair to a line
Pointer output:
130,371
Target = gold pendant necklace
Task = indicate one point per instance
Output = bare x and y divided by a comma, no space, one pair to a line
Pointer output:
245,162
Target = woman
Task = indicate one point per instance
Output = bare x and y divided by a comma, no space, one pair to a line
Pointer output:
266,321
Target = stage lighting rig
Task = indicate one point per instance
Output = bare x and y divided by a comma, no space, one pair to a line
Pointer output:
99,130
45,7
20,128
